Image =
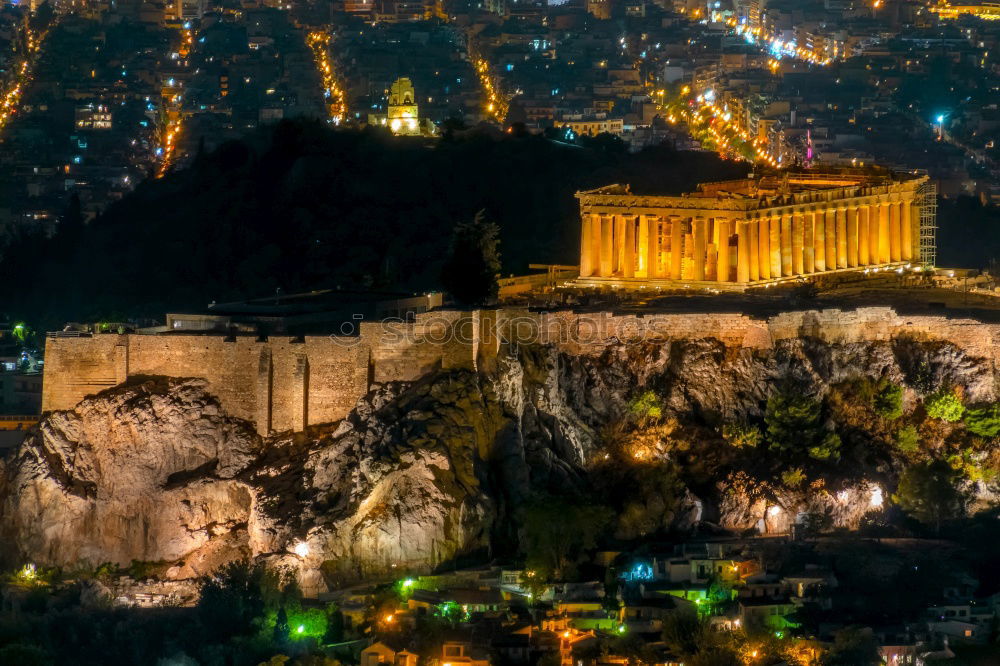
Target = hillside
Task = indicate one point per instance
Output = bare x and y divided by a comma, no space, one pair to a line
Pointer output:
301,206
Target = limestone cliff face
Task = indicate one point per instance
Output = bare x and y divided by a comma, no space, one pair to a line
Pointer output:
418,474
146,472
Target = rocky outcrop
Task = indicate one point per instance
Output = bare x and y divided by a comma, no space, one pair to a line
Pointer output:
419,473
143,472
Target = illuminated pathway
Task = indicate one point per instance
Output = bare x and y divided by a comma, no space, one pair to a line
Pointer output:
173,101
333,93
21,73
496,103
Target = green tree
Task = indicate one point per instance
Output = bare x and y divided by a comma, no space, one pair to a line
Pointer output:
473,265
281,627
690,637
853,646
684,633
557,531
944,404
932,493
908,439
983,420
334,625
235,597
827,448
651,494
815,523
888,400
794,425
611,588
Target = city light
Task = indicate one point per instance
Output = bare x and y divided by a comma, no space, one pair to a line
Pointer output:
167,150
730,134
779,48
333,92
496,104
21,74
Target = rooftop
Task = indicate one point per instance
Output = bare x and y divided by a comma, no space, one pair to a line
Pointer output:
771,189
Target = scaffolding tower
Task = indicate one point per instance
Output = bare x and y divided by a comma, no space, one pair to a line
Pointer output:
927,201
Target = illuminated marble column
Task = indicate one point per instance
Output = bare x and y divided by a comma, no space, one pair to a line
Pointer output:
618,253
607,227
586,241
743,253
915,224
884,255
722,243
676,247
764,247
808,242
687,268
863,256
653,267
852,236
906,231
753,254
700,234
895,232
819,239
841,213
830,216
798,244
786,244
628,270
774,244
874,213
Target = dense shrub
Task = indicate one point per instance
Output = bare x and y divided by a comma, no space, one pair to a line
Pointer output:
794,477
646,405
932,493
944,404
888,400
907,439
742,435
794,425
983,420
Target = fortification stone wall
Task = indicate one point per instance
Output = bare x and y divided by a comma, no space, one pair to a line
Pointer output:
286,384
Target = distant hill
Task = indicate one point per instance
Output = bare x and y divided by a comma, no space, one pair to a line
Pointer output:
300,206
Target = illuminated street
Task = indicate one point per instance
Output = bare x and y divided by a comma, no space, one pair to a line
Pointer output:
319,43
19,76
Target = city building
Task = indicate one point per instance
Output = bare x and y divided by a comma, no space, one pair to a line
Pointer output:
594,126
93,117
402,113
756,231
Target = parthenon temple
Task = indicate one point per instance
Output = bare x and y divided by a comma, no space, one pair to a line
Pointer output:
743,233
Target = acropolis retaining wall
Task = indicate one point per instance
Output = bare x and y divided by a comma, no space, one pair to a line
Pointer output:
286,383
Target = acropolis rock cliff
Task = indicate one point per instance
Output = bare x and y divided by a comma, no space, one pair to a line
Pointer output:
432,457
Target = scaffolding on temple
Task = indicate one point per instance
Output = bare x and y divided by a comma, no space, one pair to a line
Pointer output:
927,196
